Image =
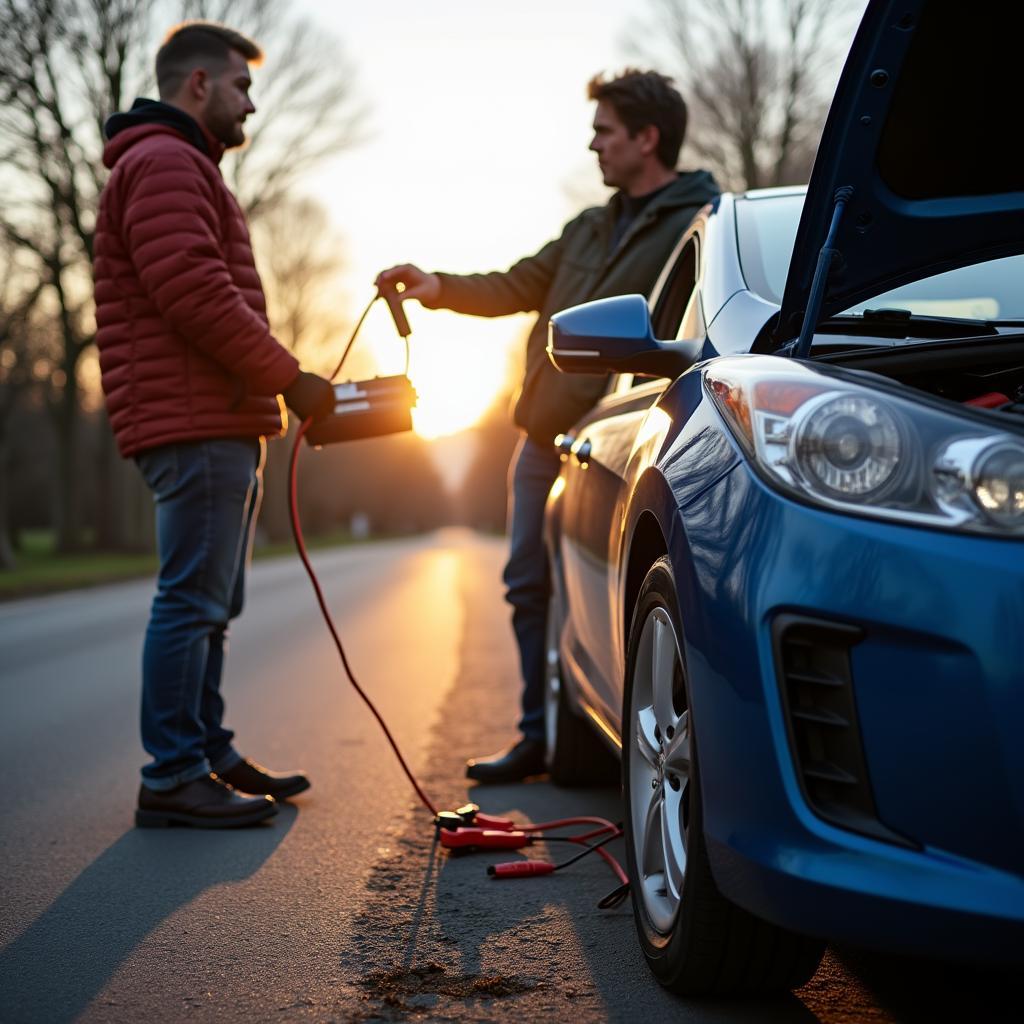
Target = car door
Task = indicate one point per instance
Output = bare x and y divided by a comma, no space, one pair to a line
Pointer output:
593,499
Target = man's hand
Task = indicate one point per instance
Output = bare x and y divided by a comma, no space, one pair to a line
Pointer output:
418,284
310,395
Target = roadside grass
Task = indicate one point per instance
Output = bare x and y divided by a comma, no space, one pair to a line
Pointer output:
40,570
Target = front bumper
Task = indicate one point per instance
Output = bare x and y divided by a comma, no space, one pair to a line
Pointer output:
937,681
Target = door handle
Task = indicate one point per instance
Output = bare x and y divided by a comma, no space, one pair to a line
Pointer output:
581,450
563,445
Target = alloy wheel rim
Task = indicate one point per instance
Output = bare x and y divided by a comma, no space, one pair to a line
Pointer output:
659,769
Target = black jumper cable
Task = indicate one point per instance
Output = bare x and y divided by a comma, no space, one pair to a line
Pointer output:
372,408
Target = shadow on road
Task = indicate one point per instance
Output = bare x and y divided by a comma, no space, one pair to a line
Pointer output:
57,966
918,991
484,920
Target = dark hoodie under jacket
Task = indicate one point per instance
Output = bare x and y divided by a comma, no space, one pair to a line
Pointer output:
576,267
146,112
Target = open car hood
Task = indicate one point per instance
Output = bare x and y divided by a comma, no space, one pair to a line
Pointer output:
923,128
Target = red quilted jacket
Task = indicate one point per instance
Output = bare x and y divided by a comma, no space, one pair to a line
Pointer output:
185,350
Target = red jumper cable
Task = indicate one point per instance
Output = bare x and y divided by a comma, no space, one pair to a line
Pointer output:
467,828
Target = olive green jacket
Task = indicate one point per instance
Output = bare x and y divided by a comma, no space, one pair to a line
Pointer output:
573,268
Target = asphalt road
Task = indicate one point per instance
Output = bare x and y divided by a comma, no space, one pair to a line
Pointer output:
341,908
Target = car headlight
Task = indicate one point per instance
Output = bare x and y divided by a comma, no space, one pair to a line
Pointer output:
840,444
848,446
984,474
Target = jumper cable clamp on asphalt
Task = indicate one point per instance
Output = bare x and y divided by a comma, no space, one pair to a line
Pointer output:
467,829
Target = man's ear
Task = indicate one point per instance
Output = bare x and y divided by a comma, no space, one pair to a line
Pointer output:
197,85
649,137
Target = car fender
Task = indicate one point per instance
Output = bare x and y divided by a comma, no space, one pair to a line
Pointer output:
680,451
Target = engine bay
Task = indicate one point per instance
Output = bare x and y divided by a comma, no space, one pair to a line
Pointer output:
982,374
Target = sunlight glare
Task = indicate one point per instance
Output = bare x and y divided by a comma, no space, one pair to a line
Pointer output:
459,366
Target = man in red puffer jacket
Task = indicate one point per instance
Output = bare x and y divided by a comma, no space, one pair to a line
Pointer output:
191,375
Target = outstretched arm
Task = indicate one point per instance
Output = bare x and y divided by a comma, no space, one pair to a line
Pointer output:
520,289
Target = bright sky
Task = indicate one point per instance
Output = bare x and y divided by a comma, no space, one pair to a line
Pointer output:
476,143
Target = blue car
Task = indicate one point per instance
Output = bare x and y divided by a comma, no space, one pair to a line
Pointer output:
787,547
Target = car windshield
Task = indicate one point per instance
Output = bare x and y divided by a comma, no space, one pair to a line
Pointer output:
766,228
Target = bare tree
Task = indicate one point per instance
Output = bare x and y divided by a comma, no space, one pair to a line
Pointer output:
305,95
62,62
757,76
65,66
16,306
300,260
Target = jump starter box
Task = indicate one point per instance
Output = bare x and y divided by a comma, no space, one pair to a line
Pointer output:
366,408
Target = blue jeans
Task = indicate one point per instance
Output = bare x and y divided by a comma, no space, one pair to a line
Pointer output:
534,469
207,496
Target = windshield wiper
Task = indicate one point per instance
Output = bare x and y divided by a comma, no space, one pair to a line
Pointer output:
902,323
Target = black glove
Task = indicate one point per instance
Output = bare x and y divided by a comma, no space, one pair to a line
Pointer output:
310,395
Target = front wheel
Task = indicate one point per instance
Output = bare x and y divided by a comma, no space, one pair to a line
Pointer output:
695,940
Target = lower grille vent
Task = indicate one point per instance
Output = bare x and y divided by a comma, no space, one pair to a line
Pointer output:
813,666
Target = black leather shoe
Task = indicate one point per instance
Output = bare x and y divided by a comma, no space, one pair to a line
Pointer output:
207,802
249,777
517,762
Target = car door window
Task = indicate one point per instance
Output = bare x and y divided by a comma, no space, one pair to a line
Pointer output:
675,295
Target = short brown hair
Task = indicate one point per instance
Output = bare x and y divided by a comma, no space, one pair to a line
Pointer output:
641,98
195,44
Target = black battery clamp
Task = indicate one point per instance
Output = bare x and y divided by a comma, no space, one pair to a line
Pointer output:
374,407
393,297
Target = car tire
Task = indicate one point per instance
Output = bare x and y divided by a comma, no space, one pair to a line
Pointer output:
576,756
695,940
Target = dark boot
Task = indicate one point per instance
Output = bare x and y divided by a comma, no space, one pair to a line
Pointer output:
206,802
249,777
514,764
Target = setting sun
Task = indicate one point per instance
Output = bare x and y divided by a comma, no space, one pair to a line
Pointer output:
459,366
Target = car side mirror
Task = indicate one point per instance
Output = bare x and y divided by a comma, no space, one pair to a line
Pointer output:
615,336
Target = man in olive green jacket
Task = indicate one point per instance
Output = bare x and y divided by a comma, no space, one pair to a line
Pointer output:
616,249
